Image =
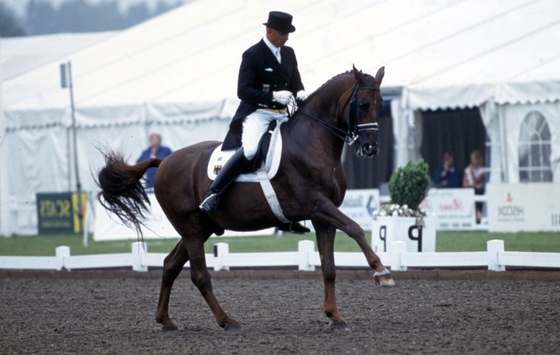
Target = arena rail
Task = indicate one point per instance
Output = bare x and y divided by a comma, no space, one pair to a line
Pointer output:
306,259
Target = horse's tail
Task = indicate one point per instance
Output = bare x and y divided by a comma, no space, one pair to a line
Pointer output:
122,192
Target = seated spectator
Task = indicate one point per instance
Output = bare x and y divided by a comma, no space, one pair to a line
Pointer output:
474,177
447,175
155,150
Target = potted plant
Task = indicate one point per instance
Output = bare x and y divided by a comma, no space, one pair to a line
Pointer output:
402,219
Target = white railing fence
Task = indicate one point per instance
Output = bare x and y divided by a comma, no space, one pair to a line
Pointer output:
306,259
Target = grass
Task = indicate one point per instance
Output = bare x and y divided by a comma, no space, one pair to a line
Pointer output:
45,245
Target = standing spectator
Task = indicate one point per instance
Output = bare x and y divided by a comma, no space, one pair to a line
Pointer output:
474,177
156,150
447,175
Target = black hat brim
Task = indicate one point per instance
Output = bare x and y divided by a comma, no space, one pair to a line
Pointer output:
290,29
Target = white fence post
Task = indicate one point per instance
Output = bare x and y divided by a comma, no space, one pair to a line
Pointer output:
494,246
220,251
138,249
398,248
304,248
61,253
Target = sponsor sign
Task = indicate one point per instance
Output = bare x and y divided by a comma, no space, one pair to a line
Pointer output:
58,212
523,207
452,209
360,205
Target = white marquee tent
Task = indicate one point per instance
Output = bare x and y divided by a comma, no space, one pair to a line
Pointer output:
176,74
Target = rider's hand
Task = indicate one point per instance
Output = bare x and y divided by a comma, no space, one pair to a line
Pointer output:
282,97
302,95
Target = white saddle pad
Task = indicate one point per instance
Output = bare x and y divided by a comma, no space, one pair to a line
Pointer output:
266,172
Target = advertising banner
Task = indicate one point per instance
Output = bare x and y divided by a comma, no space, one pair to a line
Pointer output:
524,207
58,212
452,209
360,206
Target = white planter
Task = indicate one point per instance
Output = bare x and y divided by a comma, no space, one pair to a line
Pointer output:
386,230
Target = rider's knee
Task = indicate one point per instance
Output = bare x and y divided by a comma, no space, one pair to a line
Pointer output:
250,151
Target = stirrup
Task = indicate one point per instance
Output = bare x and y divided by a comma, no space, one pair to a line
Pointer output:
294,227
210,203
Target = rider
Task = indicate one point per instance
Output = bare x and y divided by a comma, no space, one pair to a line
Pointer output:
268,79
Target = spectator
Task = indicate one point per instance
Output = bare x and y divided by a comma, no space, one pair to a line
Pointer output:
474,177
447,175
155,150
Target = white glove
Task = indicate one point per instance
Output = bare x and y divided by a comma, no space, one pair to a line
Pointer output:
282,97
302,95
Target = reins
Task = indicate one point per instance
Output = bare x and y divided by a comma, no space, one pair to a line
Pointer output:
354,129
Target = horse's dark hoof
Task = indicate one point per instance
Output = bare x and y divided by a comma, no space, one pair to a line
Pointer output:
383,278
233,325
169,326
338,326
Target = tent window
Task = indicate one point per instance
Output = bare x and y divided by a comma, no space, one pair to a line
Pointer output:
534,149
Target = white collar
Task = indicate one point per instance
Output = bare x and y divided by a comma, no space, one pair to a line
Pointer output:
271,46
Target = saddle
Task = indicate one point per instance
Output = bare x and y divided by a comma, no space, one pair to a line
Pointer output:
264,165
260,171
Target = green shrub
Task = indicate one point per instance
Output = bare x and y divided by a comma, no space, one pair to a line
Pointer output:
409,185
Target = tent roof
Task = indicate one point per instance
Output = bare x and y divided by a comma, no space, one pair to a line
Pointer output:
443,53
19,55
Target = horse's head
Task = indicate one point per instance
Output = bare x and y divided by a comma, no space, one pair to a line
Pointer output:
365,105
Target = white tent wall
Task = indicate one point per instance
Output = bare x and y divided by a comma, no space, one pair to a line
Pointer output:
513,116
39,163
45,159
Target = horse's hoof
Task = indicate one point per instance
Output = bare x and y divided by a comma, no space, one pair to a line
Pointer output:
169,326
383,278
233,325
338,326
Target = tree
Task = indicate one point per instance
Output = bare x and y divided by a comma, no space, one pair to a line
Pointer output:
41,18
9,23
85,16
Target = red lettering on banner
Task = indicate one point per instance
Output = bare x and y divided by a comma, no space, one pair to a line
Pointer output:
426,205
455,205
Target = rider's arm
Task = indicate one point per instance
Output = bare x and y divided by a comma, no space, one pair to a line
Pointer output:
248,79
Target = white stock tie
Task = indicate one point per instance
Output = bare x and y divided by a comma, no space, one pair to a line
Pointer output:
278,56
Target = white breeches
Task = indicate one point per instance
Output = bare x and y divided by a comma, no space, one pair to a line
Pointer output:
254,126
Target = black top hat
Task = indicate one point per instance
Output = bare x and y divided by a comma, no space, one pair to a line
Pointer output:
280,21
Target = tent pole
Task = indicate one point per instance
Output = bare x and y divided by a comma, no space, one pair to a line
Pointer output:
74,140
5,204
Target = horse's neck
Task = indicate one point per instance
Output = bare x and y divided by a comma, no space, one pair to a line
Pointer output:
313,137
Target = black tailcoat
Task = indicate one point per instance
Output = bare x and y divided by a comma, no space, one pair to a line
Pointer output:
259,75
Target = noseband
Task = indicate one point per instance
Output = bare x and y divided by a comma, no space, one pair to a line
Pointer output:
354,129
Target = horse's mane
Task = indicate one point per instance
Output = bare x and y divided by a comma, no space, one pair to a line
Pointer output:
336,77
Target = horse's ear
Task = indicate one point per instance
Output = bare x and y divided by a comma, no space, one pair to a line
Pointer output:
357,74
379,75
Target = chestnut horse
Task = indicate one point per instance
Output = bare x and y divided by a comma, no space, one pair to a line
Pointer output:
310,185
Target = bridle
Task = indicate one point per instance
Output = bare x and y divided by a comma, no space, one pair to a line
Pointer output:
354,129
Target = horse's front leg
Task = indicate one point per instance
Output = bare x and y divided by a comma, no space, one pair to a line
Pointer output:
328,213
325,243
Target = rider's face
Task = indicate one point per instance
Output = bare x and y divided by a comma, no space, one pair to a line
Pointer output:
276,37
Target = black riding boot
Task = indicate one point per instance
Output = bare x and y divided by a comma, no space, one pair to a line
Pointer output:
229,172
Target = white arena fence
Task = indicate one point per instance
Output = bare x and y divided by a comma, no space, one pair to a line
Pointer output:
306,259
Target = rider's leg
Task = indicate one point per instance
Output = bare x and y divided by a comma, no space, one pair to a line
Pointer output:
229,172
254,127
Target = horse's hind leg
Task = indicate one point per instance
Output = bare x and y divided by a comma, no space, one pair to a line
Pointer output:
201,278
325,244
172,266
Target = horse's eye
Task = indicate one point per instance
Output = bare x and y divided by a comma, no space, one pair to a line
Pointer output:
363,105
